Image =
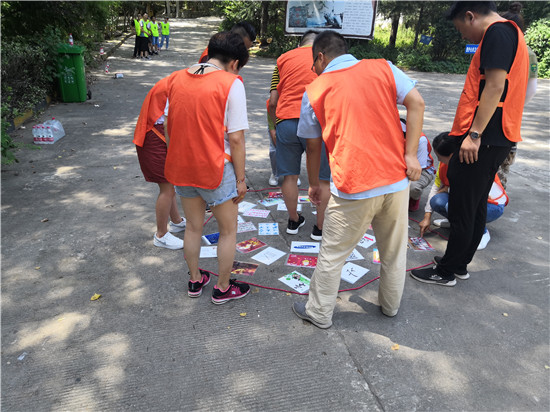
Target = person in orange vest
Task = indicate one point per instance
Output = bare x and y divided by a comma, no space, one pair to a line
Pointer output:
352,107
245,30
438,199
290,78
206,156
151,150
486,124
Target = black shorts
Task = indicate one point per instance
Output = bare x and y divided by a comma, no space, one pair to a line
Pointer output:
143,44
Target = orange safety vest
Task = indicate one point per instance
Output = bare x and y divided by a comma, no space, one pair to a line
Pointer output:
151,109
196,128
356,108
512,106
442,173
294,75
204,56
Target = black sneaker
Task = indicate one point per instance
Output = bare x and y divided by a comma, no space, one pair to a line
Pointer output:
195,287
316,233
430,275
236,290
293,226
462,275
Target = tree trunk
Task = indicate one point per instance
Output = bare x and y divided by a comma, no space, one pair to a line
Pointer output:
394,28
177,8
263,24
167,12
418,25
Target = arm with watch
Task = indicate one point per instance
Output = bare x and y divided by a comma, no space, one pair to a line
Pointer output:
238,154
495,80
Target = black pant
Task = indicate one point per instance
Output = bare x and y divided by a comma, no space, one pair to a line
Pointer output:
469,189
136,46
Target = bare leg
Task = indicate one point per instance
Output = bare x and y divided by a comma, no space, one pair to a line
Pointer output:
325,196
174,211
290,195
226,216
164,206
194,211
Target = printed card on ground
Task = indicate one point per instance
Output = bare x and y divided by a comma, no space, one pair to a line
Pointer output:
268,229
305,247
212,238
367,241
355,255
269,255
301,261
243,268
282,207
209,251
245,227
240,219
270,202
303,199
250,245
296,281
257,213
245,206
275,195
352,272
419,243
375,256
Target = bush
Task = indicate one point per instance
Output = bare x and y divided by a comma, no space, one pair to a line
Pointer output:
537,37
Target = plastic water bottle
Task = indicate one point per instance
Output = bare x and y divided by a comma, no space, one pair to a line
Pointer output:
49,135
42,135
71,42
57,130
107,68
34,133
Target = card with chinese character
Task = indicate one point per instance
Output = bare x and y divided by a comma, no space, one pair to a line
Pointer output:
305,247
282,207
268,229
270,202
352,272
301,261
355,255
375,256
245,227
296,281
367,241
257,213
243,268
250,245
245,206
419,243
212,238
209,252
269,255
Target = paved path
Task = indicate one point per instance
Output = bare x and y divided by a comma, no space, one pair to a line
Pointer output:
144,345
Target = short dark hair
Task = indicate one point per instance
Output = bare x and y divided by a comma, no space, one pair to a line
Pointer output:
444,144
244,28
330,43
227,46
459,8
514,14
308,36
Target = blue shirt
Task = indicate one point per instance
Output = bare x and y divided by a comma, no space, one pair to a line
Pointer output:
309,127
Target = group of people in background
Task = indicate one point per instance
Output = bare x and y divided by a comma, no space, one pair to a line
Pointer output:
150,35
365,165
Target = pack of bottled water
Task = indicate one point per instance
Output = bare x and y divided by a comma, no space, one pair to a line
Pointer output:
48,132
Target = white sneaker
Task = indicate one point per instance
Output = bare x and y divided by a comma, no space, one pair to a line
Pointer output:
177,227
442,223
169,241
299,182
484,240
273,180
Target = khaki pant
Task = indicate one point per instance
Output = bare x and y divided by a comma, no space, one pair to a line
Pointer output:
346,221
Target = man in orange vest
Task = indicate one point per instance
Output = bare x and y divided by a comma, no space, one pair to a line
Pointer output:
352,107
486,124
245,30
290,78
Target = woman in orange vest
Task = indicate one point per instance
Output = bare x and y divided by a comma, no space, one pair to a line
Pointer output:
151,150
206,155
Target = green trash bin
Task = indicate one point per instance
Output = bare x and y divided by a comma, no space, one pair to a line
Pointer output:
72,77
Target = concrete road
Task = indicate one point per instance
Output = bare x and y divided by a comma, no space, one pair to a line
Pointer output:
78,219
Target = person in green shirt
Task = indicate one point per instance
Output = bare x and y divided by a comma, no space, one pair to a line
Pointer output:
154,27
164,33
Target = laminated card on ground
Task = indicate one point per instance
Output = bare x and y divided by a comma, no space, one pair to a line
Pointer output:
352,272
367,241
245,227
257,213
209,252
296,281
250,245
245,206
243,268
302,261
269,255
355,255
268,229
304,247
419,243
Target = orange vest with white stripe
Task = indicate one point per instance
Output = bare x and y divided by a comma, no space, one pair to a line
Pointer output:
294,75
356,108
196,128
151,110
497,194
512,106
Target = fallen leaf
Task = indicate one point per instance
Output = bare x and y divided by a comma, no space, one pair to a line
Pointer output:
243,314
44,220
539,237
546,367
505,314
95,297
37,267
114,167
288,294
395,347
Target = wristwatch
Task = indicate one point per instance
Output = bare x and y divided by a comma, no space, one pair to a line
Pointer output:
474,135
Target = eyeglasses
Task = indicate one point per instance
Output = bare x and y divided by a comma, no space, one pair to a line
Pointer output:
315,61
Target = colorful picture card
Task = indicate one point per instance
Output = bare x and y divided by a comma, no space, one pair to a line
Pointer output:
209,252
352,272
296,281
420,244
275,195
267,202
257,213
375,256
305,247
367,241
245,227
303,199
245,206
212,238
268,229
250,245
355,255
243,268
269,255
301,261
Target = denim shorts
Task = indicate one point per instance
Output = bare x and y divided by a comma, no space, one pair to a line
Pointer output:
155,40
289,151
213,197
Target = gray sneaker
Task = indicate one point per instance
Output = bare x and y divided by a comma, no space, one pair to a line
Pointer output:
299,309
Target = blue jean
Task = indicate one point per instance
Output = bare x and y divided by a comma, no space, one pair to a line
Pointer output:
162,37
440,204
